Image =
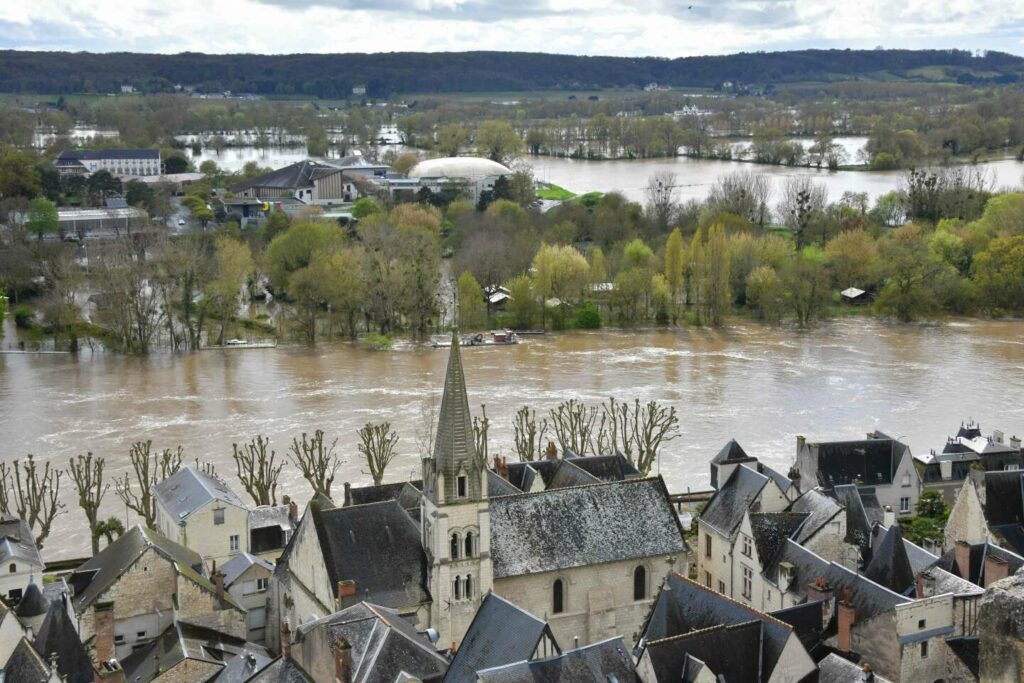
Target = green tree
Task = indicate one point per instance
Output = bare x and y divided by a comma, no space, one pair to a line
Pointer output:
853,259
42,217
19,176
911,272
176,163
498,141
522,303
471,302
365,207
675,252
999,274
715,297
451,139
806,283
636,254
765,294
294,249
233,263
559,272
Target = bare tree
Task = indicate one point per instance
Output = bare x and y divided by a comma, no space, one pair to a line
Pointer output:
803,201
636,431
256,471
426,426
317,462
529,436
661,194
87,473
35,494
149,469
480,427
573,422
742,193
378,448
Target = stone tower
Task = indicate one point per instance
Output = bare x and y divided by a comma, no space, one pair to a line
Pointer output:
456,521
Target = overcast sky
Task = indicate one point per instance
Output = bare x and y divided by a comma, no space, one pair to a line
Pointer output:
668,28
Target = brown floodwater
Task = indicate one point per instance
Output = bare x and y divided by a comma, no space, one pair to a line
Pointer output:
761,385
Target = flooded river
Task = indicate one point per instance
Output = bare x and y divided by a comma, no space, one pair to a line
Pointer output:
760,385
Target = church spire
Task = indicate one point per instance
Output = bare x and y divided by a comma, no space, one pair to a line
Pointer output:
454,445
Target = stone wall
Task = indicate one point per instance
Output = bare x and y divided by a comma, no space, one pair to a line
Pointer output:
200,605
1001,631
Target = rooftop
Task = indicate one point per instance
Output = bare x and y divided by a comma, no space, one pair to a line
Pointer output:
608,660
189,489
726,508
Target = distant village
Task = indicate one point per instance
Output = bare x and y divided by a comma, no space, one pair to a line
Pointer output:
564,568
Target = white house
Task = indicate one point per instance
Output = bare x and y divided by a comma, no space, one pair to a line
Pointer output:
246,578
20,560
202,513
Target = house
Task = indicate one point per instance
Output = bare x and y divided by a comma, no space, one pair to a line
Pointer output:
696,634
989,508
187,652
271,527
968,450
19,557
854,296
879,465
120,163
128,594
246,577
364,643
311,182
200,511
607,660
732,455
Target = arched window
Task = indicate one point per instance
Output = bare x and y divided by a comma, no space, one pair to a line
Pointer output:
640,583
457,588
470,544
455,546
468,591
558,597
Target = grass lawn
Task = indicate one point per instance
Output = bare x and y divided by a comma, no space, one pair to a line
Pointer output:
554,192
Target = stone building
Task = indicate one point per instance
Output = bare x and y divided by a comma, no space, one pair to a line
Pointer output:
989,509
1001,630
20,560
247,577
201,512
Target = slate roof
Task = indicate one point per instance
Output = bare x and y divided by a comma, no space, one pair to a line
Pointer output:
684,606
58,636
264,516
499,486
94,577
32,603
731,451
25,665
501,633
583,525
522,475
1004,498
17,542
807,620
105,154
454,442
379,547
835,669
615,467
729,651
608,660
383,643
890,566
362,495
725,509
771,529
872,461
820,510
295,176
947,582
281,670
858,526
239,564
181,641
568,474
189,489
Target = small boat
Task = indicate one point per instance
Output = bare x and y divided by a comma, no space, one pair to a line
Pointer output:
493,338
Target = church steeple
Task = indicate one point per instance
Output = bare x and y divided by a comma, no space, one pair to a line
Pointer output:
455,458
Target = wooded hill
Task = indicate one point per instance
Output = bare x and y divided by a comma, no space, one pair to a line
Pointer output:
334,75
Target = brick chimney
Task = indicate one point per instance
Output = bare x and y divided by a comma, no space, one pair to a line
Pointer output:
286,641
342,660
820,590
503,470
551,452
348,495
218,582
995,568
962,555
285,499
847,617
293,512
925,585
103,624
345,589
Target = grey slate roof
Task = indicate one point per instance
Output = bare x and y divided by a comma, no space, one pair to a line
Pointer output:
32,603
25,665
58,636
94,577
872,461
583,525
181,641
835,669
568,474
383,643
947,582
731,451
807,620
379,547
890,566
239,564
263,516
820,510
522,475
858,526
613,467
454,441
501,633
281,670
499,486
292,177
189,489
608,660
725,509
771,529
17,542
730,651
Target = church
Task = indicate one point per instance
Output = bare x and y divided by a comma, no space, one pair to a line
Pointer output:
581,543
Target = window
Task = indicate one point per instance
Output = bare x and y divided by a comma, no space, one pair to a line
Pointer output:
454,550
558,597
707,546
233,540
904,505
218,516
457,588
261,584
468,590
118,639
470,541
921,623
140,634
461,483
906,480
924,650
746,546
707,579
721,587
640,583
748,582
14,594
13,568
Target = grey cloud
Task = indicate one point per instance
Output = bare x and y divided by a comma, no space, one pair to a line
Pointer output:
777,14
484,11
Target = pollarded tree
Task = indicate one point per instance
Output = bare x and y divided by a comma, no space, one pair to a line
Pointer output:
149,469
87,474
316,460
573,422
529,434
256,470
34,494
636,430
378,442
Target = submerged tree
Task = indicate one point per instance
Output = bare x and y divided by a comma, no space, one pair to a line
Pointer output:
528,434
317,462
573,422
87,474
256,471
377,447
34,494
149,469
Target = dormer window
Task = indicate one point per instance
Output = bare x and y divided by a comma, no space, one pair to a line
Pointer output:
218,516
747,550
462,486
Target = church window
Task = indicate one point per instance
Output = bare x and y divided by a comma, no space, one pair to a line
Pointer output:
470,544
468,590
457,588
558,597
455,546
640,583
462,483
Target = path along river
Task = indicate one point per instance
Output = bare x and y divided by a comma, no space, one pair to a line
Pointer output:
761,385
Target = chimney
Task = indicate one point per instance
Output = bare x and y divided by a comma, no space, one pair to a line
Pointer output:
345,589
962,555
995,568
503,470
888,517
925,585
1015,442
847,618
801,441
997,436
348,495
551,453
285,499
286,641
820,590
103,624
342,660
218,582
293,512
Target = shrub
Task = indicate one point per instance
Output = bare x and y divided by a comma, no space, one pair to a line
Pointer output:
378,342
588,317
24,317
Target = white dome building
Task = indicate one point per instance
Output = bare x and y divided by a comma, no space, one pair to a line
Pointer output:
469,168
